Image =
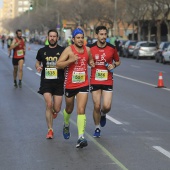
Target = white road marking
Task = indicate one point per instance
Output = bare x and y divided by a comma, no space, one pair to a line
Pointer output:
135,66
113,120
29,68
159,71
38,74
162,150
142,82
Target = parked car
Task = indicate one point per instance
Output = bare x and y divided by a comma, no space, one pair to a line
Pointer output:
146,49
162,48
136,48
166,55
128,48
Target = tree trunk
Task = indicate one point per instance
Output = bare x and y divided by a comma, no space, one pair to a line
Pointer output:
158,32
168,29
133,27
139,31
149,31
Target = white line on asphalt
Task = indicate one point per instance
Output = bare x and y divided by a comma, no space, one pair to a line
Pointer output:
38,74
142,82
29,68
159,71
113,120
163,151
135,66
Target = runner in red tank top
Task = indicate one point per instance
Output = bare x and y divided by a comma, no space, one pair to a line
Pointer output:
75,59
101,81
18,46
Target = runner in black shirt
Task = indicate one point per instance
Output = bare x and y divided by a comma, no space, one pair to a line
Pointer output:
52,80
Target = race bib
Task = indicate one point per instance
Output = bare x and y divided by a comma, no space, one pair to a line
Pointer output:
51,73
78,77
20,52
101,75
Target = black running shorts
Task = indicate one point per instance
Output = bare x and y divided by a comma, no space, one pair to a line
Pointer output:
55,88
73,92
15,61
95,87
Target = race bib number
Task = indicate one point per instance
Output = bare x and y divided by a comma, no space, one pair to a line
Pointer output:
101,75
78,77
20,52
51,73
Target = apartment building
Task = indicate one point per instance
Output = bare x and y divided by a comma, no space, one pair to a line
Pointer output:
12,9
22,6
1,29
8,11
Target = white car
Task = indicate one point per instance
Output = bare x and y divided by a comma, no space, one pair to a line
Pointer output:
145,49
166,55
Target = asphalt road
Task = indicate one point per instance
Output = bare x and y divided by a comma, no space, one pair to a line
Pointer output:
136,136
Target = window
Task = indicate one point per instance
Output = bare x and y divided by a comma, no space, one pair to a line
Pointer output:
19,3
20,9
25,9
25,2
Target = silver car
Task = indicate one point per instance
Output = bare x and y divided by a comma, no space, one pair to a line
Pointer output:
145,49
136,48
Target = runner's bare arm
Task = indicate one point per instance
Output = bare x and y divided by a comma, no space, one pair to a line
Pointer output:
13,44
91,61
24,46
67,57
38,66
116,63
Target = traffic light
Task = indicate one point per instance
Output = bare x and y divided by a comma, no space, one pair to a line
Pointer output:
31,7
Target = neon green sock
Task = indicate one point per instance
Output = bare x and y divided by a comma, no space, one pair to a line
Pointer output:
81,124
66,117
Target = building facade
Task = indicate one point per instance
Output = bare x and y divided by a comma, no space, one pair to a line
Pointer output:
12,9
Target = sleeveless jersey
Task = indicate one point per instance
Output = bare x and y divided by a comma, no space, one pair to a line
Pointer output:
19,50
100,74
76,74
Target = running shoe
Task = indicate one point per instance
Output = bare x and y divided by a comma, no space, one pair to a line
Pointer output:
103,121
15,84
66,132
81,143
50,134
54,114
97,133
20,84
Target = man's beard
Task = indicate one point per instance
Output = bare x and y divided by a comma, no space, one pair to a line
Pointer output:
78,46
53,44
102,42
19,37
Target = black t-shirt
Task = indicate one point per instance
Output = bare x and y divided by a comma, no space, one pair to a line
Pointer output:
49,56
